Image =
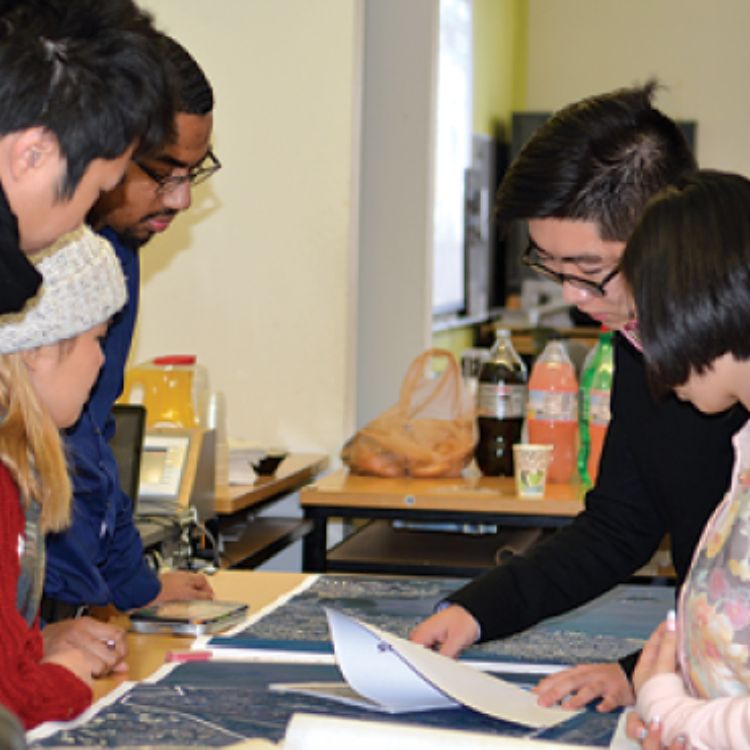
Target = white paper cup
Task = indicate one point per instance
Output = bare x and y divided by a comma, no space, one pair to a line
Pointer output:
530,462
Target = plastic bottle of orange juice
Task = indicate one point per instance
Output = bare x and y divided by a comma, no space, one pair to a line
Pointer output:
173,388
552,412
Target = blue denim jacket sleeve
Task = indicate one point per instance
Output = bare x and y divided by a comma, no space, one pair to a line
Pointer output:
99,558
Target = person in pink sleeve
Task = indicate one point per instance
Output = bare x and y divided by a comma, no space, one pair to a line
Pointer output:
50,357
692,297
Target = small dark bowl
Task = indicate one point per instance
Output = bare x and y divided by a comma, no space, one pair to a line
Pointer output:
267,465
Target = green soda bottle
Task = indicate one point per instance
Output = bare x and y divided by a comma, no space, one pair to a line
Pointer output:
600,394
584,442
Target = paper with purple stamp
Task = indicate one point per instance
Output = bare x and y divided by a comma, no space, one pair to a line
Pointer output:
394,675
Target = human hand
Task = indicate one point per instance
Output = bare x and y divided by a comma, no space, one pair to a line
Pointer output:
449,631
178,585
576,687
105,642
659,655
83,664
649,738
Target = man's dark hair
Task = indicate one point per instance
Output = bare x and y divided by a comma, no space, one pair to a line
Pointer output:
688,266
600,160
88,71
193,92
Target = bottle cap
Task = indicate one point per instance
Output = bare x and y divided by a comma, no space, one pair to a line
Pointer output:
175,359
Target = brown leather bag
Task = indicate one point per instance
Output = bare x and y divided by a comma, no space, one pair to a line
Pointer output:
430,432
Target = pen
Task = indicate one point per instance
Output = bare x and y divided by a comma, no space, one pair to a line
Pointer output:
185,656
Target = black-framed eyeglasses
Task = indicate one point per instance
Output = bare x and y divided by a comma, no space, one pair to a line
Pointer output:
532,259
194,175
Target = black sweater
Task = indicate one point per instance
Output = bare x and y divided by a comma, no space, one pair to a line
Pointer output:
664,468
19,280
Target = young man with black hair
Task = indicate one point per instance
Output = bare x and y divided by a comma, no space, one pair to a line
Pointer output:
582,183
99,559
82,86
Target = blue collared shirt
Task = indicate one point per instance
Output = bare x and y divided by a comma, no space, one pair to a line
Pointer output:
99,559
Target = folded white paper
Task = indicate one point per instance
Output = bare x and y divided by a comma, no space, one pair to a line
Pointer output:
388,673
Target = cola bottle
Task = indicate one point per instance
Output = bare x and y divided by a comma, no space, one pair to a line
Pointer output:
501,406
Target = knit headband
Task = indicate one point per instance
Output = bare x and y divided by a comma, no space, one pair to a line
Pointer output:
83,286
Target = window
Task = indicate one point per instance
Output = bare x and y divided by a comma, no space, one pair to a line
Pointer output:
452,153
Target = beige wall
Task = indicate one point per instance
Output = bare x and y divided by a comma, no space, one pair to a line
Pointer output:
261,277
499,63
394,283
257,277
698,49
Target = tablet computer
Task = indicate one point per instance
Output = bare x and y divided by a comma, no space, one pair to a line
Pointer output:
190,617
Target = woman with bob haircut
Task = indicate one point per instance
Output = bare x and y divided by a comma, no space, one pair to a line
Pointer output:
688,267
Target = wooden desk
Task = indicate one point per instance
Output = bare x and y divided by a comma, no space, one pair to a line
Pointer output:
146,652
463,500
294,471
252,540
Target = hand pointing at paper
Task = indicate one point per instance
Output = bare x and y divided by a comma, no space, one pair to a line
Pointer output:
449,631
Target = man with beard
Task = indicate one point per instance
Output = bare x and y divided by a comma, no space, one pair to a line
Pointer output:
99,559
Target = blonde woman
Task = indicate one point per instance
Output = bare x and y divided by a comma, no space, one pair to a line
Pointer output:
50,357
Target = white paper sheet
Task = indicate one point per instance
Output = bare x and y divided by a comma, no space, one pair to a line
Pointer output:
340,692
241,464
400,676
308,732
620,740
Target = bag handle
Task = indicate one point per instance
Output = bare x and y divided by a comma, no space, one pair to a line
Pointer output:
415,374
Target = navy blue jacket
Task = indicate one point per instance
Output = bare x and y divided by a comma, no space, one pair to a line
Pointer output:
99,558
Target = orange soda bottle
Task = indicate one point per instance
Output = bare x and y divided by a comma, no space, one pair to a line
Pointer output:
552,412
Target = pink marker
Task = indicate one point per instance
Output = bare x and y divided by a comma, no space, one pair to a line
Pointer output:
185,656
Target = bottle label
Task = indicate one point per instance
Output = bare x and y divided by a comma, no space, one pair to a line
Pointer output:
501,400
599,413
553,406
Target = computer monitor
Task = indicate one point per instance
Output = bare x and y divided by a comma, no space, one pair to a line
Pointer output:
127,445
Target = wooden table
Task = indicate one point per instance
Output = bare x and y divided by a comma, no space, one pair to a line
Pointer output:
146,652
296,470
251,540
478,501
